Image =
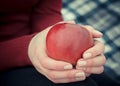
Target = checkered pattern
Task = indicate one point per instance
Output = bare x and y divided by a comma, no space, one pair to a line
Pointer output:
104,15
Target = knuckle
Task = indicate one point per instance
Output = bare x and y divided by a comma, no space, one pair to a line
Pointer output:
103,59
91,62
88,70
98,70
69,74
101,70
102,46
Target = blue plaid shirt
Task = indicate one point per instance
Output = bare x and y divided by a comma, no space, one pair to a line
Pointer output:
103,15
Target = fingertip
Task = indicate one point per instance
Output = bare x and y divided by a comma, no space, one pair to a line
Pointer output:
97,33
73,22
87,55
67,67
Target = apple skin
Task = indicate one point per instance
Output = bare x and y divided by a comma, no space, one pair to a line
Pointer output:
67,42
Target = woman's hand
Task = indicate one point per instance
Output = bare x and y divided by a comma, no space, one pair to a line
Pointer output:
93,58
56,71
63,72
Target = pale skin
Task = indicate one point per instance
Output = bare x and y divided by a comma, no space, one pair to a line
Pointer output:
63,72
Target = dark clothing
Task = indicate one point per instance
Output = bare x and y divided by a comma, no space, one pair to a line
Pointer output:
20,20
30,77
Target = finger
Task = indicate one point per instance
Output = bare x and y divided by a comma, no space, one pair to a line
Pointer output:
97,49
52,64
68,76
53,74
92,70
72,22
68,80
96,61
95,33
63,76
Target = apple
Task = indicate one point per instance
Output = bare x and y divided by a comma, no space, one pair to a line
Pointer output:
67,42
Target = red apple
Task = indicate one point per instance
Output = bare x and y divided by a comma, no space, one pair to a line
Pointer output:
67,42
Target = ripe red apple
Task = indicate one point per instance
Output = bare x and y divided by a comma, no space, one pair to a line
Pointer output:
67,42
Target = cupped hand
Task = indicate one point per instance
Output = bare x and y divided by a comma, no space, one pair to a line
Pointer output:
56,71
93,59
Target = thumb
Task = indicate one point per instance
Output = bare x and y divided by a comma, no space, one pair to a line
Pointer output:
52,64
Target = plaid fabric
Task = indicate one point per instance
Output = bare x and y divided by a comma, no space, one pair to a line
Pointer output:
103,15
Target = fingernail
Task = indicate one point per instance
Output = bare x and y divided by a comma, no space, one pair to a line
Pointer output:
82,63
97,32
78,79
79,74
87,55
68,67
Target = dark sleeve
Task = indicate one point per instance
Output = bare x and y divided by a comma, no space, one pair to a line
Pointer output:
46,13
14,52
